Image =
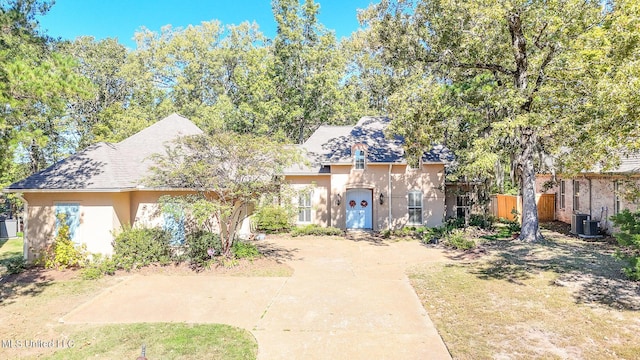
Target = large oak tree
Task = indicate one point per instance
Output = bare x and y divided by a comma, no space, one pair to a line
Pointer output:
510,80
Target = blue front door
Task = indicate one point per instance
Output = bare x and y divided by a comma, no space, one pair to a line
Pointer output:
359,205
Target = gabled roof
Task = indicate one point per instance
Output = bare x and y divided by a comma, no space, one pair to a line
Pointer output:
109,167
333,145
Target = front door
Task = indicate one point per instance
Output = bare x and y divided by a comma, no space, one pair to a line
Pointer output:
359,207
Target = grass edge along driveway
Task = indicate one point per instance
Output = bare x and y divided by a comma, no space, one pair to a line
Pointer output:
563,298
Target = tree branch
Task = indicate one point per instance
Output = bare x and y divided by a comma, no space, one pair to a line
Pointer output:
482,66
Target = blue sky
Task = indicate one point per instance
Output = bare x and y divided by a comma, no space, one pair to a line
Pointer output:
120,19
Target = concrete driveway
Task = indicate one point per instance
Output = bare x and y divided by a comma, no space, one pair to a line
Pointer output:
346,300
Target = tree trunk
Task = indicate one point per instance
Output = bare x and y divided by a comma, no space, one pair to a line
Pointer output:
530,224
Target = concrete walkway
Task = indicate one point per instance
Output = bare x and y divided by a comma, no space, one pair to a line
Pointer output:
346,300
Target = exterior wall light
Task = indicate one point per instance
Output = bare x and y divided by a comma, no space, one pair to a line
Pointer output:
381,198
338,200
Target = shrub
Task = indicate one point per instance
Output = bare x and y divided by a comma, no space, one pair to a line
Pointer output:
245,250
457,239
15,265
198,247
483,222
137,247
512,225
272,219
63,253
98,267
629,240
313,229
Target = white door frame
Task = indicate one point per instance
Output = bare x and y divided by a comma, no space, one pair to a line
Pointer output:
360,215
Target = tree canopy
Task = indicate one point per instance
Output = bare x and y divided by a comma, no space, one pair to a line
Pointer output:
229,172
510,81
504,84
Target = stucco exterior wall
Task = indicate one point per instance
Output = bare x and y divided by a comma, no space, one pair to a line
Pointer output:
145,209
320,187
100,213
429,179
596,196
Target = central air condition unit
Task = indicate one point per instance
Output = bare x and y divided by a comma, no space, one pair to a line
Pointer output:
591,227
577,225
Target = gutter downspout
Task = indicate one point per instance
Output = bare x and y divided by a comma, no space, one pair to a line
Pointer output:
590,199
25,216
389,195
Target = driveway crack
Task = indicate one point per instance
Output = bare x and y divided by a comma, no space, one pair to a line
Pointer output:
277,294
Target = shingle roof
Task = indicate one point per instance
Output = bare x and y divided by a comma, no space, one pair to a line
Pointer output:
629,164
105,166
333,144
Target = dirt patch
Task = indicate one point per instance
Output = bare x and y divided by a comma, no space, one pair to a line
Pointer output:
38,274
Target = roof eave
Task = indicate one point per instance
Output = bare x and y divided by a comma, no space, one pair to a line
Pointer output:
98,190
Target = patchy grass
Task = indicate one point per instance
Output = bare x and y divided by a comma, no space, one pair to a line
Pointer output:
31,311
10,251
10,248
162,341
563,298
33,302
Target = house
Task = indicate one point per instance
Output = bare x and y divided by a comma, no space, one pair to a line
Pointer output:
99,189
597,193
358,178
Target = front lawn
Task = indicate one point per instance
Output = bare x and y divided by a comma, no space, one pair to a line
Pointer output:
162,341
10,248
564,298
31,310
31,304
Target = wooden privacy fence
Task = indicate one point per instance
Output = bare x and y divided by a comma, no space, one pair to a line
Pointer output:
502,206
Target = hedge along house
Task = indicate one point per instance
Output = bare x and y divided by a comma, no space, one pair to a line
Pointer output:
358,178
597,193
101,189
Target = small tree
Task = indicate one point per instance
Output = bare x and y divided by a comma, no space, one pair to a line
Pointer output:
228,172
629,240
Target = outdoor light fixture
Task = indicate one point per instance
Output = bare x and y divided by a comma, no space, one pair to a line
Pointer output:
381,198
338,199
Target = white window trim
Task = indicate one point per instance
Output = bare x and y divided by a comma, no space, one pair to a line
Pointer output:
309,196
421,207
364,159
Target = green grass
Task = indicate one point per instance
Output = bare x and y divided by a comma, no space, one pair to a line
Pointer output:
10,248
10,254
162,341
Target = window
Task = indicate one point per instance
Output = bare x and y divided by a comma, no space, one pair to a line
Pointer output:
462,206
617,206
576,195
359,160
304,208
415,207
562,194
70,214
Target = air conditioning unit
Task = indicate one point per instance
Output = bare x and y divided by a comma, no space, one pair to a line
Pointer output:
590,227
577,225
